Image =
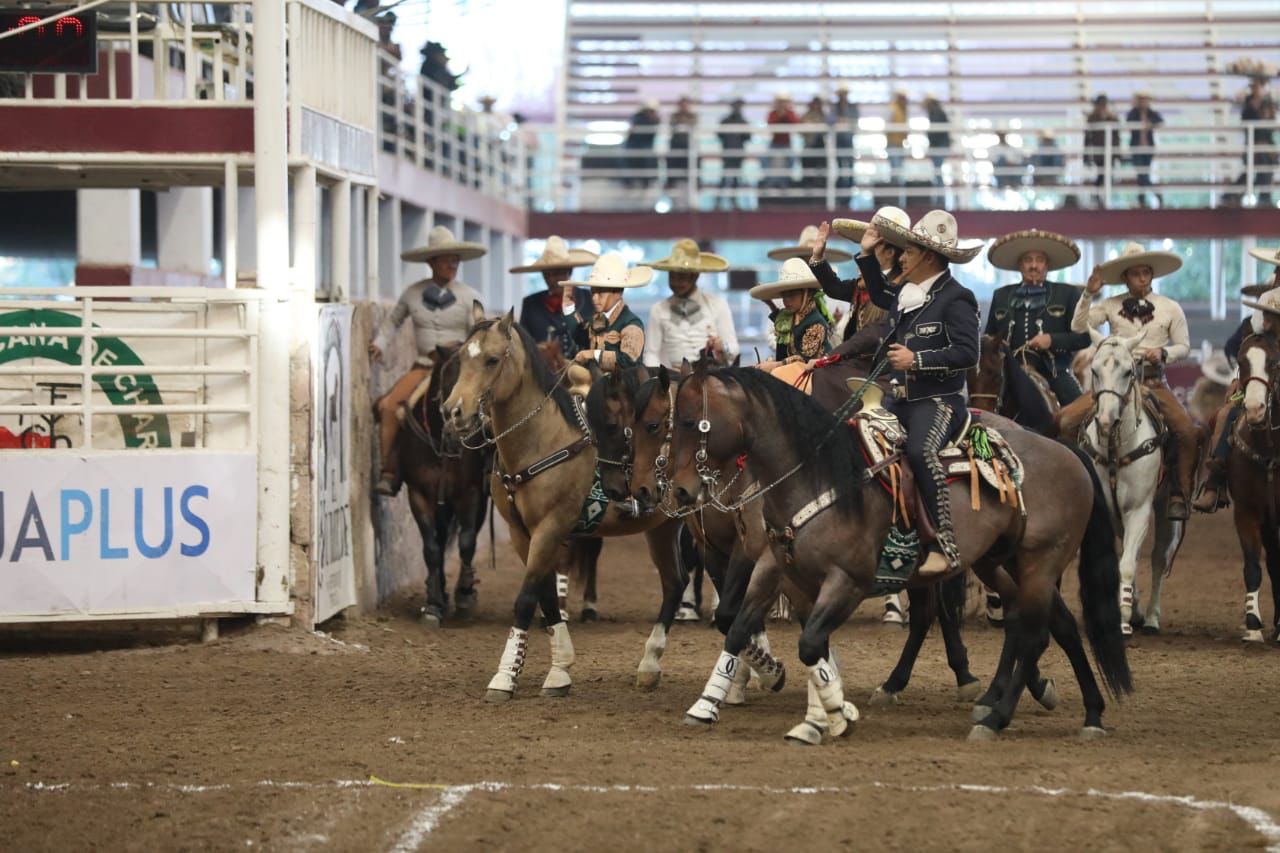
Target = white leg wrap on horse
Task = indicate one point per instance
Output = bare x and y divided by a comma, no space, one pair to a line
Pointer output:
1251,606
1126,608
562,658
689,598
562,585
738,689
512,662
653,649
826,681
769,668
814,726
707,708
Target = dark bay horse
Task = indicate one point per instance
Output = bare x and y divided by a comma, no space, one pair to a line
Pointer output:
827,521
448,491
1255,456
1001,383
544,470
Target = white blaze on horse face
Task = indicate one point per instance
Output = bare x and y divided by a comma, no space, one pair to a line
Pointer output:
473,349
1255,393
1108,375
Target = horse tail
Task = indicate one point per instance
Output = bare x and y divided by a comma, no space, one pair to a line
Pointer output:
1100,589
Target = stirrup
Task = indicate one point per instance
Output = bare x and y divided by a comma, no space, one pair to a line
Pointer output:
388,485
1178,510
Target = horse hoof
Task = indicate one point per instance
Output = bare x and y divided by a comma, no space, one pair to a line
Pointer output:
1093,733
982,733
980,713
497,697
805,734
697,722
556,692
1252,637
648,680
1151,630
969,691
465,602
1126,630
564,616
882,698
1048,697
430,621
589,614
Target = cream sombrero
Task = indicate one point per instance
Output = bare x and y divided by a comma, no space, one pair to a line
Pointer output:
1256,290
557,255
804,248
1007,252
1214,365
686,257
1161,263
853,229
440,241
795,275
935,231
1267,256
1270,302
610,270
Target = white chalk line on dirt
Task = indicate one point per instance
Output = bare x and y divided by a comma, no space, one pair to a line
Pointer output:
452,796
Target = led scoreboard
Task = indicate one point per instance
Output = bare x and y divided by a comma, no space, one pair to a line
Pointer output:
67,45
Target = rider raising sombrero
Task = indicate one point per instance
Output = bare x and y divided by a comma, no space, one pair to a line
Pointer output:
1163,327
931,344
692,322
802,326
1267,295
614,336
1034,316
440,308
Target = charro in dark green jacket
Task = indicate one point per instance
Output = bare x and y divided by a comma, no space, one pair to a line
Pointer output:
1019,312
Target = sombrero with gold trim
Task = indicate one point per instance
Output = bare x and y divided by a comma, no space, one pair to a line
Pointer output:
1006,253
687,257
936,231
1134,255
440,241
804,248
853,229
557,255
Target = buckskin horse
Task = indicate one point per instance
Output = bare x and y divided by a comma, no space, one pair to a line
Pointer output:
827,519
447,491
1255,455
545,475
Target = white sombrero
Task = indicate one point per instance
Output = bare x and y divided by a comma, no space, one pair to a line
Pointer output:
1214,365
1270,302
935,231
1161,263
795,275
687,257
804,248
1267,256
442,242
1007,252
610,270
853,229
557,255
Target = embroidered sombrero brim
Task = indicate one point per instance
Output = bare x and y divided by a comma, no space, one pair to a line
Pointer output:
894,234
774,289
1007,252
1267,256
1161,263
1256,290
465,251
831,256
577,258
704,262
850,229
635,277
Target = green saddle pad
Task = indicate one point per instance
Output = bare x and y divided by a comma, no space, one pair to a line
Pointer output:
594,507
898,558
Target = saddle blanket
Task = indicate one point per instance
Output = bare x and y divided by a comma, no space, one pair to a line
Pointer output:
980,448
594,507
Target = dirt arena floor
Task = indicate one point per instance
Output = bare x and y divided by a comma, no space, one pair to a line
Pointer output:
269,738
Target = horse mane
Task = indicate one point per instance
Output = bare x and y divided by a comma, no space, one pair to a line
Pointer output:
1033,411
547,381
443,378
645,393
809,426
629,380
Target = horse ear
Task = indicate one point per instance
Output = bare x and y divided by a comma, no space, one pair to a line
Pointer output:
477,312
1096,336
508,319
664,378
1133,342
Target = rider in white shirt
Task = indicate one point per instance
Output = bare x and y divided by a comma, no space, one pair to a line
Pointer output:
691,322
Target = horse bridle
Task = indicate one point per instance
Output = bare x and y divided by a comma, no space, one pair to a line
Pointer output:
484,416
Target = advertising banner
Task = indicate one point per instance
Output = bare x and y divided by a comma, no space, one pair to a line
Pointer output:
331,559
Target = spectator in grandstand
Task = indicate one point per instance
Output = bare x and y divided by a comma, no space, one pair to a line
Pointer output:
778,173
813,165
435,67
939,140
734,136
1047,163
1095,141
642,166
1142,142
683,122
1008,165
896,136
844,117
1258,106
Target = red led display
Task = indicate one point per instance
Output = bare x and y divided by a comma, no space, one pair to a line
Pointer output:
67,45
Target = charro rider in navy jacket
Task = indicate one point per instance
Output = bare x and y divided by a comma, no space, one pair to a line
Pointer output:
932,342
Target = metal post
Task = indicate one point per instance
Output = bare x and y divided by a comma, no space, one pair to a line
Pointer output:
372,248
305,229
832,167
691,170
230,222
341,259
1106,168
1248,158
271,194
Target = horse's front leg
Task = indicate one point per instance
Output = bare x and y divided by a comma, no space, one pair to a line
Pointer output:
470,520
664,549
1249,531
1137,520
837,599
424,514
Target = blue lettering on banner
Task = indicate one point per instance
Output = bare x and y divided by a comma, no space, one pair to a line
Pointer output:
195,521
40,539
74,528
149,551
105,550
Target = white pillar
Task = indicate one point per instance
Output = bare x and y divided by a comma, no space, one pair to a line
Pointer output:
246,202
271,181
305,229
372,242
230,223
108,227
390,243
415,225
341,246
184,230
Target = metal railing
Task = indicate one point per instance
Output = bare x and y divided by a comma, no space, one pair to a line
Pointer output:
1202,165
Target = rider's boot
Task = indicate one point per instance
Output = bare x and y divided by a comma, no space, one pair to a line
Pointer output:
388,485
1215,482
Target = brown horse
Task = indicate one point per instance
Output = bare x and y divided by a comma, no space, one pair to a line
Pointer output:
1003,384
448,491
544,471
827,521
1255,455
